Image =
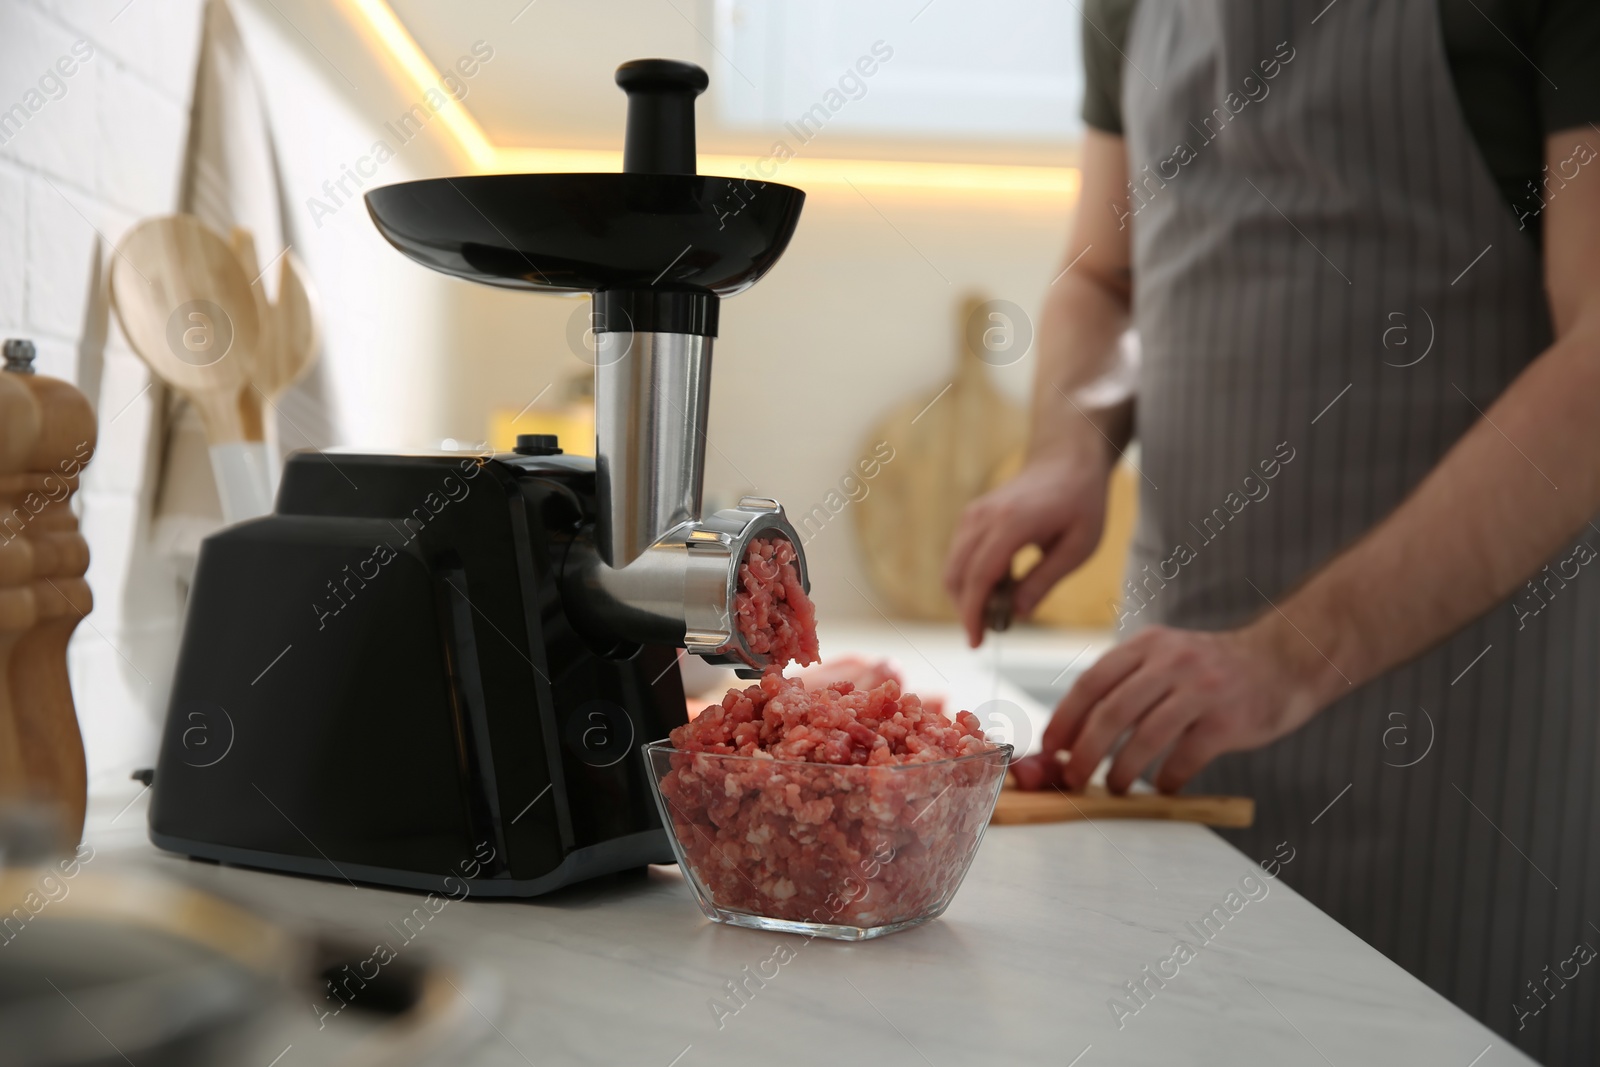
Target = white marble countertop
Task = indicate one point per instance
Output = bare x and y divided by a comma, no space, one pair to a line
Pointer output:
1051,923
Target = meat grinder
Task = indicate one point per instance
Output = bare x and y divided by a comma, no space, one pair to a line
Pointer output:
434,670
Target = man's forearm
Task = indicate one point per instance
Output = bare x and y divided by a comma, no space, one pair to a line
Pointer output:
1519,485
1082,394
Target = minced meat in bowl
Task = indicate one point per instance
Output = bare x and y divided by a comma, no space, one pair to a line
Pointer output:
836,812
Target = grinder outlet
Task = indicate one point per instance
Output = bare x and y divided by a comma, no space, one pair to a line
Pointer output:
682,589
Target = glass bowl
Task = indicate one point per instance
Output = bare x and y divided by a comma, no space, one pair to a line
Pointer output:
832,850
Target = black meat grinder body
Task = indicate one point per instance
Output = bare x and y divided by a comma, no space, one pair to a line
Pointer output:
436,670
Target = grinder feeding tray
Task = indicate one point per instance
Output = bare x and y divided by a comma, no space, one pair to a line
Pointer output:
489,638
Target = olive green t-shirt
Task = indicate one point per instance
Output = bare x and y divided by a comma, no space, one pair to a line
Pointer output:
1522,69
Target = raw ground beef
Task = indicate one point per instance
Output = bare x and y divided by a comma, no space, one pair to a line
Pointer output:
779,717
776,617
834,805
859,671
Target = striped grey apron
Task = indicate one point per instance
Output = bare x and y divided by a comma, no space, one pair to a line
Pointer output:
1324,270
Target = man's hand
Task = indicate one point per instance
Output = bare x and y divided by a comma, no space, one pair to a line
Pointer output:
1057,502
1199,694
1077,425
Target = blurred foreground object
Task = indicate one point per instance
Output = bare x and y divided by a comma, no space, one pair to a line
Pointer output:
99,967
42,715
101,970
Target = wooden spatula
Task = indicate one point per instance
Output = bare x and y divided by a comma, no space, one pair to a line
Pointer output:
189,311
1050,805
288,344
294,331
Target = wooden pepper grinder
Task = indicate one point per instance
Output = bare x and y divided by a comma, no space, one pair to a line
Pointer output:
19,430
41,689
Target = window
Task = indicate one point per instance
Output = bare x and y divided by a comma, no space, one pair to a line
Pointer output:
1002,70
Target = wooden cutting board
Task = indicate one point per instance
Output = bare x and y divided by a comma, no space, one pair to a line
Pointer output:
948,443
1016,807
952,443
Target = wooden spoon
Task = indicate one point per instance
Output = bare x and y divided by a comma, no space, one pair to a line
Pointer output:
190,313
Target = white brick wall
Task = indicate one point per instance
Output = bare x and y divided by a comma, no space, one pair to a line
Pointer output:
80,170
13,227
108,152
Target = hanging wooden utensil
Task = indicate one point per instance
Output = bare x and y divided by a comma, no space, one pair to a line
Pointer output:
190,313
251,416
295,331
288,343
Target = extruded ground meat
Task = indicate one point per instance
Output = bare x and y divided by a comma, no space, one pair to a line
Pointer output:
836,805
776,617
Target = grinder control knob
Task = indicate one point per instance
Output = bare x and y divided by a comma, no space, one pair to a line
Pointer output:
537,444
